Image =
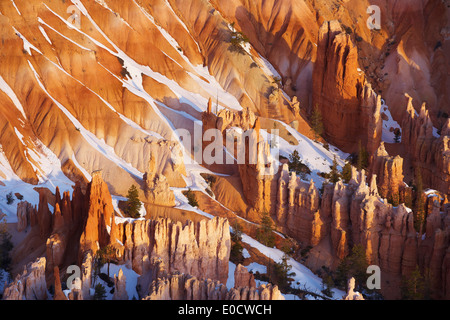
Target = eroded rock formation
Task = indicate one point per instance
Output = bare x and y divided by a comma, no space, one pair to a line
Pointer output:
199,249
349,106
389,176
428,150
178,286
345,215
30,284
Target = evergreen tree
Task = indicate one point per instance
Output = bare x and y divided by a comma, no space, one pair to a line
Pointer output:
192,199
363,157
316,122
106,255
413,287
236,254
100,292
334,175
354,265
264,233
282,275
346,172
420,203
397,135
5,247
9,198
295,164
133,205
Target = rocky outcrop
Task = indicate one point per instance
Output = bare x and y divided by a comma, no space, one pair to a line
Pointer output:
351,294
120,289
156,187
199,249
30,284
389,175
297,208
428,150
350,108
59,294
25,211
178,286
100,216
345,215
243,278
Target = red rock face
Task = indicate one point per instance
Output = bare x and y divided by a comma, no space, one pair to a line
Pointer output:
30,284
110,94
201,250
429,151
347,103
348,215
243,278
389,175
100,216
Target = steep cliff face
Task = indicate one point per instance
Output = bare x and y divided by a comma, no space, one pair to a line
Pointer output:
201,250
100,216
176,286
429,150
389,176
107,85
345,215
30,284
349,107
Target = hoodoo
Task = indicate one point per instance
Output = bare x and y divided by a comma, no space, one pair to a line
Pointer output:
224,150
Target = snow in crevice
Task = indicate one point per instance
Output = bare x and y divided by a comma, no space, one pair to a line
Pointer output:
83,170
98,144
67,38
10,93
45,34
27,46
196,100
387,135
15,6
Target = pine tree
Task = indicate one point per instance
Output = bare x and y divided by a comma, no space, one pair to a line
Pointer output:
316,122
236,254
282,275
264,233
413,287
354,265
420,203
192,199
397,135
346,172
106,255
363,157
9,198
334,175
5,247
100,292
133,204
296,164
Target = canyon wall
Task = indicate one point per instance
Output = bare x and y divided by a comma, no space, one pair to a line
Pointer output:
429,150
350,108
175,286
345,215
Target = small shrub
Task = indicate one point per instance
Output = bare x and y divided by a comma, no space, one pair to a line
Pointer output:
10,198
100,292
192,199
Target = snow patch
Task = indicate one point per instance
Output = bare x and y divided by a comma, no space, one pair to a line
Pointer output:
10,93
387,135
